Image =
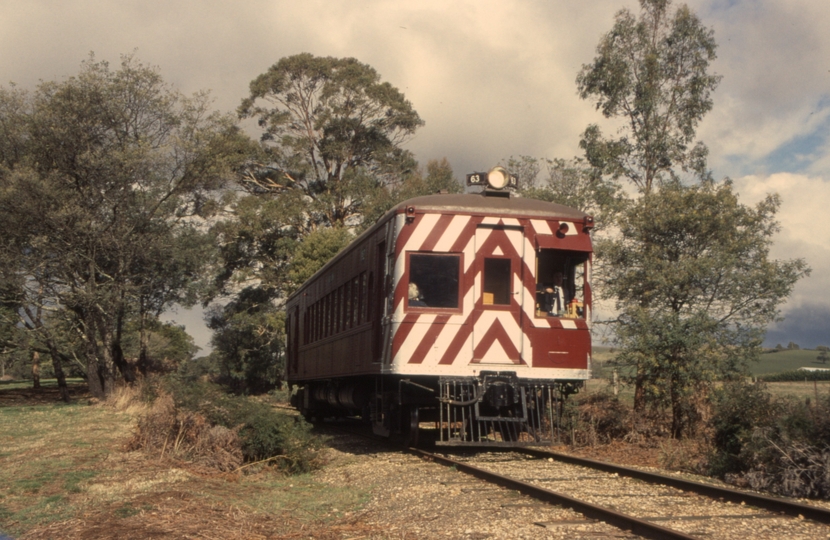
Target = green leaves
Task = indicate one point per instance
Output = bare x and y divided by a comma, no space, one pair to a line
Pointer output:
695,288
323,119
652,72
103,180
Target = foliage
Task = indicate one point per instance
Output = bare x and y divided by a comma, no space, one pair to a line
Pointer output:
249,337
778,445
264,433
323,120
597,418
108,172
572,183
651,72
313,253
796,375
695,289
167,346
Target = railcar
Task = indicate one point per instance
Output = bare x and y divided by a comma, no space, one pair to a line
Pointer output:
467,313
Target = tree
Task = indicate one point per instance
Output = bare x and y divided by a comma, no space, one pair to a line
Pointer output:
651,72
249,337
572,183
695,290
325,120
113,171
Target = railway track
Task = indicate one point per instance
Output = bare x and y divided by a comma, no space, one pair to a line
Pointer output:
646,504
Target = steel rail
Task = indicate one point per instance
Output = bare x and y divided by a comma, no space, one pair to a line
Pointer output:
773,504
623,521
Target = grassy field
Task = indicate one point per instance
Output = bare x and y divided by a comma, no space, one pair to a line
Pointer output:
777,362
786,360
64,469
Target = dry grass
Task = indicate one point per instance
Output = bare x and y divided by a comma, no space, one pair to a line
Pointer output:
179,434
66,472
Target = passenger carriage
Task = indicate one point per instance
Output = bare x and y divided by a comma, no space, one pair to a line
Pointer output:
467,312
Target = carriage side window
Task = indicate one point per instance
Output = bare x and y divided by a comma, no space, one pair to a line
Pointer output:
496,282
433,280
560,282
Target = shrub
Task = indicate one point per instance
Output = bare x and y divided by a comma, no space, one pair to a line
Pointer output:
597,419
777,445
796,375
201,423
264,433
186,435
739,408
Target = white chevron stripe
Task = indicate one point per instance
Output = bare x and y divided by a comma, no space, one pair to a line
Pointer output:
511,327
452,233
415,336
571,229
416,240
541,227
495,355
443,342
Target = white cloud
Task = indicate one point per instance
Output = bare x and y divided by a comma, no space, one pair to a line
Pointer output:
491,79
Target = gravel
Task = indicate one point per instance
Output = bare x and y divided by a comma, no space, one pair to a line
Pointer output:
415,499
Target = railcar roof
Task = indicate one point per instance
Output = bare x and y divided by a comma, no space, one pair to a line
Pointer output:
476,204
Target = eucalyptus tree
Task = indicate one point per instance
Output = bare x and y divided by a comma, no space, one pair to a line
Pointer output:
323,121
696,289
116,165
690,270
650,73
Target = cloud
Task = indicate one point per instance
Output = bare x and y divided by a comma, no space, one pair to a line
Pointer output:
491,79
804,222
774,60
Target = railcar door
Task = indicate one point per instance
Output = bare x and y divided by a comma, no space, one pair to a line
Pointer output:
497,315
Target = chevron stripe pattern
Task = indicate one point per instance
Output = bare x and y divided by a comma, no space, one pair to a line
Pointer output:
449,341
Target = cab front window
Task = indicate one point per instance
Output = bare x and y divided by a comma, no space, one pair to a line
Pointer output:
433,281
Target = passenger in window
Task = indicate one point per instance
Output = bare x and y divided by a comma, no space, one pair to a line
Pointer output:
415,299
552,298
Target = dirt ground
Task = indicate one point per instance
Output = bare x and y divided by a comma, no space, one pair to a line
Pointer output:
160,498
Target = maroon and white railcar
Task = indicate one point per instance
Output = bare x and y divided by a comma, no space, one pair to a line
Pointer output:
470,312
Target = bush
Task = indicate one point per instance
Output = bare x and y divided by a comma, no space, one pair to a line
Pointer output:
739,408
597,419
201,423
264,433
777,445
186,435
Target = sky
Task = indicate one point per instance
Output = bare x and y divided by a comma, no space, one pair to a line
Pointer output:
491,79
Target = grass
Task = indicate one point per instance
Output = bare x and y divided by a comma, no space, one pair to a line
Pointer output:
65,464
769,362
784,360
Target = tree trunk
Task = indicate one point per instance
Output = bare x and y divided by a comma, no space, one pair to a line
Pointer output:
639,390
59,374
143,340
676,409
118,353
35,370
93,372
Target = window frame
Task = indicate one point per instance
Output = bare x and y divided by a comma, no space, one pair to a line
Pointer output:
428,309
